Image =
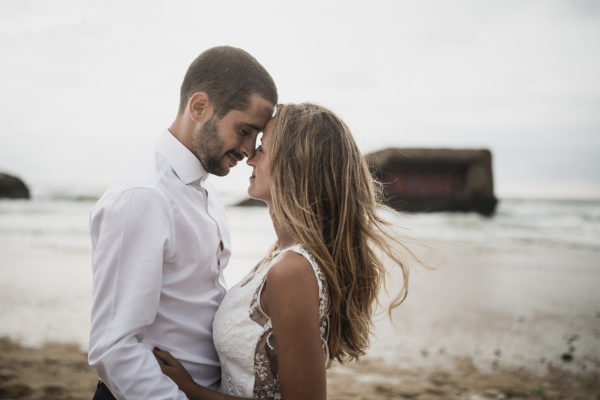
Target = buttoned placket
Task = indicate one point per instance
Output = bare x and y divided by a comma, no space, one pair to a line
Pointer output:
220,247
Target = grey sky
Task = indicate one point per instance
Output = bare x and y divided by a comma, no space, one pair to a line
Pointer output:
85,85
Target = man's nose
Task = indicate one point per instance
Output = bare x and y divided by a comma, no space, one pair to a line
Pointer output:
248,147
248,153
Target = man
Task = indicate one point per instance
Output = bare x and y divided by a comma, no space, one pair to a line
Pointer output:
160,239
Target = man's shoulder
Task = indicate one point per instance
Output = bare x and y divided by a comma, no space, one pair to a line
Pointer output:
145,176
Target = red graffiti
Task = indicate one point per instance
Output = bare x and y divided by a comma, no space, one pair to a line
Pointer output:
413,184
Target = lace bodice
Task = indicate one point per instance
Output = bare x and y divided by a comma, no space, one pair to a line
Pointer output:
242,334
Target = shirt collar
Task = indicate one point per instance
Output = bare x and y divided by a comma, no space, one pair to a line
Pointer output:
185,164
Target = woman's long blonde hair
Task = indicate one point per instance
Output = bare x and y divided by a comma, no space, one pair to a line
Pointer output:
323,193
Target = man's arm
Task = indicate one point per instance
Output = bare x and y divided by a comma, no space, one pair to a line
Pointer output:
131,234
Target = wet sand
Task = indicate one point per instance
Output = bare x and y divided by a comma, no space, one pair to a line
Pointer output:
463,381
60,371
55,371
491,323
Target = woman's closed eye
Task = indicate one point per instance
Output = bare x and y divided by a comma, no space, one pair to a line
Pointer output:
259,148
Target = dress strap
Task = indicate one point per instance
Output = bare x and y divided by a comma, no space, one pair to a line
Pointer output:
298,248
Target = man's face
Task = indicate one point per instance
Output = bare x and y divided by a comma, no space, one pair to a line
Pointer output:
220,143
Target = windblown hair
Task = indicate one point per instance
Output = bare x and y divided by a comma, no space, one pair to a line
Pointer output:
323,193
230,76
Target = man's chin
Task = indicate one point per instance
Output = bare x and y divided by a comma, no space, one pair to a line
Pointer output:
218,169
220,172
225,168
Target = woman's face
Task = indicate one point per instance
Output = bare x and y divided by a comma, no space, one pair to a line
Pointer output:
259,181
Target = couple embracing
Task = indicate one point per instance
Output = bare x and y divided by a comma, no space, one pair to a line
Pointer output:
164,326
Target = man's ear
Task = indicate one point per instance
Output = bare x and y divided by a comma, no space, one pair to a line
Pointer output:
200,107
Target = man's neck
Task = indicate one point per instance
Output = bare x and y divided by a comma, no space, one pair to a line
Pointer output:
181,131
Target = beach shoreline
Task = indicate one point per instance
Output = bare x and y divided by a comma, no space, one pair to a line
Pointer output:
60,371
511,312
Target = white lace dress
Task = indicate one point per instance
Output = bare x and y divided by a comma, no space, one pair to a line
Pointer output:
242,334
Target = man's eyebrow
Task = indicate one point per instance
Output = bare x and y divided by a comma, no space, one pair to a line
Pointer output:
256,128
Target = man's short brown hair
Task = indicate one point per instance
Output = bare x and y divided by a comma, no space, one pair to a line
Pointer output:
229,76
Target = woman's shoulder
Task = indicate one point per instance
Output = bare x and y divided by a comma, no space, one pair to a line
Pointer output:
290,287
291,269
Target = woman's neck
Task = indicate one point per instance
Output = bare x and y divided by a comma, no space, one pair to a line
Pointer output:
284,238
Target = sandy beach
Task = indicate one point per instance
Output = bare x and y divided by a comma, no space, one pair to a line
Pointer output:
60,371
512,312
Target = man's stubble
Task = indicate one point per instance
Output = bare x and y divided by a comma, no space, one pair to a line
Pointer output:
208,147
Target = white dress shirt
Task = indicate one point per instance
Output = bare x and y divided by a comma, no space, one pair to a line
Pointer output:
160,242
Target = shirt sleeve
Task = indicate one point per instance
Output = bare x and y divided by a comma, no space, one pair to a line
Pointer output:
131,233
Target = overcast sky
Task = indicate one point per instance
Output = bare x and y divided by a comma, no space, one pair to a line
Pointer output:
85,85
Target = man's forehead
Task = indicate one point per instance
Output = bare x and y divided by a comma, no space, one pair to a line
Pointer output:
260,110
245,120
253,118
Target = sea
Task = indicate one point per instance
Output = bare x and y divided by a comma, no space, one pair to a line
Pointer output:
515,290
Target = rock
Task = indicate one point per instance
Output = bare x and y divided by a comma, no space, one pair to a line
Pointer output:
435,179
12,187
567,357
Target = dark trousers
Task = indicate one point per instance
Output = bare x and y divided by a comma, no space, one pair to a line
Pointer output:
102,392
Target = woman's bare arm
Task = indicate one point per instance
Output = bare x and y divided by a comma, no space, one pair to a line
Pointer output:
291,299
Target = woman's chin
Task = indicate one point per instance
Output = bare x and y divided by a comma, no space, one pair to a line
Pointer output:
256,196
253,195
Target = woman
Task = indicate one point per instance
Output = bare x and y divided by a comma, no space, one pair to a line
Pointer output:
310,300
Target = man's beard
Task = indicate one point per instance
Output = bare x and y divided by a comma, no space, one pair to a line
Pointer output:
208,147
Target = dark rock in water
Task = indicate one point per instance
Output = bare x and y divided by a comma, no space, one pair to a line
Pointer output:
435,179
249,202
567,357
12,187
